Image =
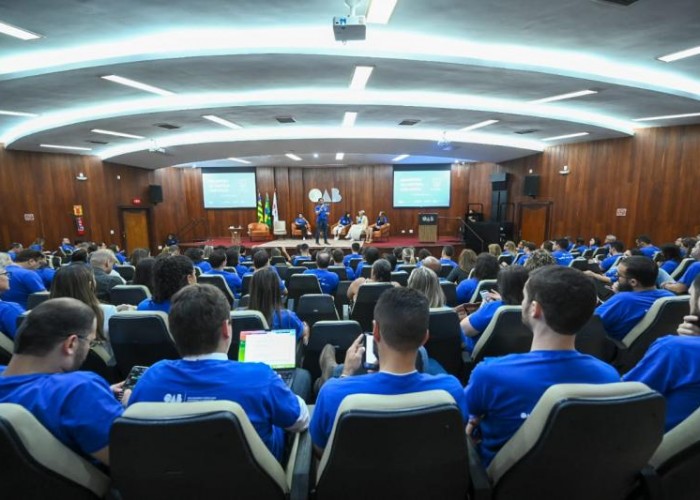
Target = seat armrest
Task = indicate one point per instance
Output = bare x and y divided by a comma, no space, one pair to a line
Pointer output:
479,484
299,466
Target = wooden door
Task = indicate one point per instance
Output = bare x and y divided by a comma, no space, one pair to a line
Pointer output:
535,222
136,229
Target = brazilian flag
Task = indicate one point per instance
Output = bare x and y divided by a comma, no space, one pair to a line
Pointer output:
261,216
268,212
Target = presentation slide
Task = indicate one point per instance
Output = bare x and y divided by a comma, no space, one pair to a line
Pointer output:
229,188
427,186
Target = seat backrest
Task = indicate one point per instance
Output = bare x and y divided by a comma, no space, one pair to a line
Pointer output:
128,294
592,339
677,460
243,321
340,334
309,264
100,361
445,270
7,345
292,270
589,441
366,271
37,465
354,262
682,268
126,271
579,263
587,254
219,282
313,307
406,267
662,318
165,450
483,285
140,338
245,284
341,295
600,251
301,284
506,259
445,342
36,298
506,334
417,441
277,259
340,271
367,297
450,291
401,277
243,303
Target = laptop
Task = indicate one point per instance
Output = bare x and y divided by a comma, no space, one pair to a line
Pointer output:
276,348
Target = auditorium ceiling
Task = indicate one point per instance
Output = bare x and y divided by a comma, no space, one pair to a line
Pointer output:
264,83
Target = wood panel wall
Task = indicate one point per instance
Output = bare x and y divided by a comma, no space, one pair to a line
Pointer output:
654,175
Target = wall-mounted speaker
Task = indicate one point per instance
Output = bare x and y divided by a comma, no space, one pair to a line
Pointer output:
155,194
532,185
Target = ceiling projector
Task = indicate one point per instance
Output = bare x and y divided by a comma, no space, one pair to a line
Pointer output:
348,28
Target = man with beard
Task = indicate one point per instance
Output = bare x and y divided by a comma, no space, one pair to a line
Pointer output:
77,407
502,391
636,293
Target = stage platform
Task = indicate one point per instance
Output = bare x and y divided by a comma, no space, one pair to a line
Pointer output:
291,244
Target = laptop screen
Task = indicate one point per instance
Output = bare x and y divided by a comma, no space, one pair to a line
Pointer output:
276,348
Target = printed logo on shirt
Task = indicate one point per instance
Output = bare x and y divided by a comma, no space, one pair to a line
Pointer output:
524,415
173,398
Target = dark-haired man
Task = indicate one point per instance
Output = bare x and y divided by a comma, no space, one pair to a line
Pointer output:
200,323
371,255
561,252
502,392
646,247
354,253
400,327
338,260
77,407
304,255
617,248
24,280
448,252
637,292
218,261
261,260
328,280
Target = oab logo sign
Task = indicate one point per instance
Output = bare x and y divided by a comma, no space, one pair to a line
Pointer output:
333,197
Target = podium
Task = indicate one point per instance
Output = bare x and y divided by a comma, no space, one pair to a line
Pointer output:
427,228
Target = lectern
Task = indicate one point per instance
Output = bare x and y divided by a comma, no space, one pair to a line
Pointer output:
427,228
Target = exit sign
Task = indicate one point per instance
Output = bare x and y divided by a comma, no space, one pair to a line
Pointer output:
136,201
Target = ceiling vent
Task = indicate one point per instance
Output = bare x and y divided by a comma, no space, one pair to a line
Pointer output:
167,126
285,119
624,3
527,131
408,122
97,142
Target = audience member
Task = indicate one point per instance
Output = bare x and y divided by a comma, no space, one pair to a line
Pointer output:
303,256
201,327
102,262
467,260
9,311
502,391
671,257
644,244
138,254
391,258
143,275
15,248
448,251
509,248
38,245
485,268
432,263
233,260
381,273
338,260
24,280
427,282
66,246
528,248
170,274
401,319
616,249
196,255
494,249
371,255
561,252
45,271
539,258
266,297
354,253
328,280
408,256
218,261
77,407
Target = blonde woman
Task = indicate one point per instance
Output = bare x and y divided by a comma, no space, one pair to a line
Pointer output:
495,249
359,227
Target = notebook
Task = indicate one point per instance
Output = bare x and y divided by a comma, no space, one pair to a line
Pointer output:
276,348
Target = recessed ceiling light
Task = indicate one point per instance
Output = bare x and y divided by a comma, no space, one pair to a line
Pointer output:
400,157
57,146
680,55
666,117
339,156
567,136
315,155
137,85
561,97
349,119
379,11
239,160
8,29
478,125
360,77
221,121
292,156
16,113
118,134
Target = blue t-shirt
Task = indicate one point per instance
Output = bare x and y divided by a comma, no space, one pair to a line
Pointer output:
300,222
328,280
346,259
335,390
345,221
690,274
151,305
9,312
520,261
624,310
78,408
321,213
582,248
67,248
669,266
232,280
284,319
204,266
298,259
23,283
269,404
382,220
503,391
479,320
47,275
671,367
241,270
448,262
649,250
358,269
608,262
465,289
562,257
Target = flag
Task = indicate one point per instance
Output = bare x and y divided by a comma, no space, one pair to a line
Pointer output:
268,219
261,215
275,213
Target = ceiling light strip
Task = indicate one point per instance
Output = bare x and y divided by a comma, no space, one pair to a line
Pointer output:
567,136
666,117
58,146
116,134
380,11
676,56
360,77
485,123
400,157
239,160
570,95
292,156
221,121
14,31
16,113
137,85
349,119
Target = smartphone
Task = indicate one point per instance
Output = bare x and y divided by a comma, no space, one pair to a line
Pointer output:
369,358
485,296
134,375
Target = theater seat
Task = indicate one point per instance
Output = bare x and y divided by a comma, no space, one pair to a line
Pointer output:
7,345
126,271
243,321
367,297
36,298
201,450
483,285
444,344
679,271
450,291
218,281
301,284
128,294
340,334
410,446
36,465
581,441
313,307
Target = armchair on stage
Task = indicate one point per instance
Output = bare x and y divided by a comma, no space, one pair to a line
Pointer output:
258,231
298,233
343,232
382,233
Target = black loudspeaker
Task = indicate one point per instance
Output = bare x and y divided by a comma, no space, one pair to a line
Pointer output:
499,181
479,235
532,185
155,193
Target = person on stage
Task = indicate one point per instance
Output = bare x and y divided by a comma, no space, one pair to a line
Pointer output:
322,210
344,223
360,226
302,225
381,220
171,240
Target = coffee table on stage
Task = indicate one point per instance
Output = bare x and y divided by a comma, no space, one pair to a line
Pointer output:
235,235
